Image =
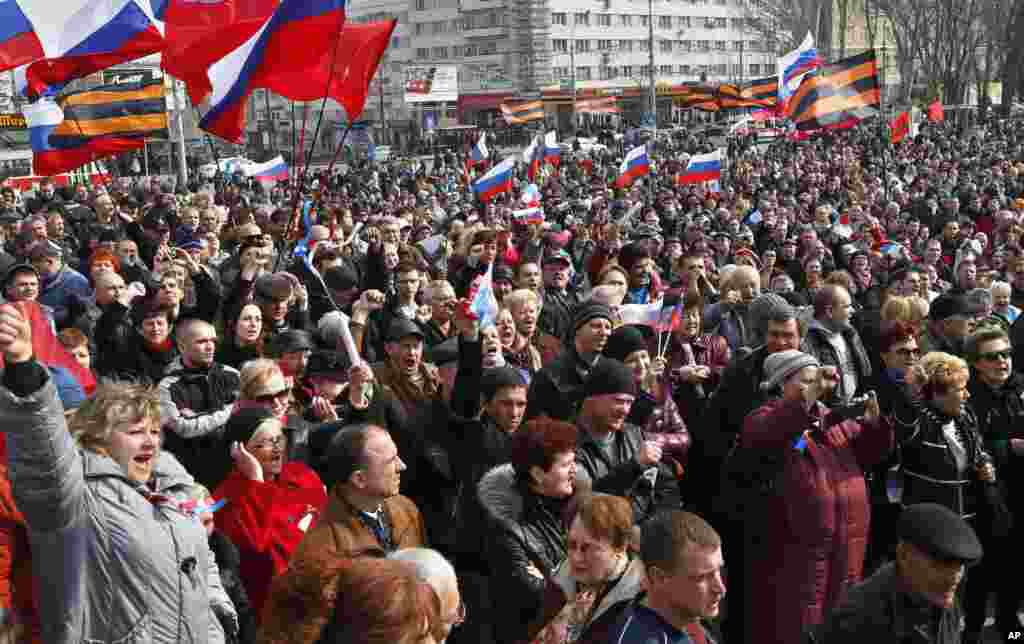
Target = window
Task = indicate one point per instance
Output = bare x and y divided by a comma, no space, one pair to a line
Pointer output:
755,69
608,73
440,52
422,52
722,69
440,27
721,23
720,45
627,70
418,29
604,20
583,73
666,46
625,45
456,51
645,21
469,51
666,70
664,22
560,72
721,3
684,70
737,23
685,45
626,20
488,48
644,45
582,45
421,5
683,22
604,45
560,45
703,45
583,19
558,18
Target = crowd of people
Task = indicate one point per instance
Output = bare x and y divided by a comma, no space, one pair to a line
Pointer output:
290,420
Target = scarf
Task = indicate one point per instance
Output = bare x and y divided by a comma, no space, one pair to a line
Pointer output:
159,347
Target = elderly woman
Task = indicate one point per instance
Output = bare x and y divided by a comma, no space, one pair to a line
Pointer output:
246,343
696,362
589,591
812,530
262,384
523,306
271,502
727,317
116,556
1001,307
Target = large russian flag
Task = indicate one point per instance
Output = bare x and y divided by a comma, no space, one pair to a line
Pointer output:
794,65
497,180
274,170
635,165
701,168
61,40
552,152
297,37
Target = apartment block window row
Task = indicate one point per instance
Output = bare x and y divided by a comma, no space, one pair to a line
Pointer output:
468,22
430,5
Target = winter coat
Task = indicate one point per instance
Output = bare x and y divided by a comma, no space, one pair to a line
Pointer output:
881,611
267,519
708,351
556,390
57,292
525,531
814,541
17,584
816,343
339,533
195,404
122,353
561,590
112,564
617,472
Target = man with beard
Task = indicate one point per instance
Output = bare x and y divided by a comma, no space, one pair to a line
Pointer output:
834,342
612,454
950,320
196,400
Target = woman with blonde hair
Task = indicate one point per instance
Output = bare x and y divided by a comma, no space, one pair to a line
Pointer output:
115,555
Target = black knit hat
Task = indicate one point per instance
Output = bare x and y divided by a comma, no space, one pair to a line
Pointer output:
609,377
243,424
587,311
624,341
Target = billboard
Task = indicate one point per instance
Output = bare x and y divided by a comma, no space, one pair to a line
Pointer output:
430,84
134,75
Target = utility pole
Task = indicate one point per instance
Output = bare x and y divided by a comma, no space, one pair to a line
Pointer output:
380,93
650,52
271,126
179,109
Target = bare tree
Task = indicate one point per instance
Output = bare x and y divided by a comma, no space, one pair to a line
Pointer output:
783,23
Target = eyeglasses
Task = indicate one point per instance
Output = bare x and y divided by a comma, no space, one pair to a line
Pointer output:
992,356
274,442
272,397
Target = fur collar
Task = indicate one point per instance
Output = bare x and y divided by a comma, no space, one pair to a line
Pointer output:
626,589
499,493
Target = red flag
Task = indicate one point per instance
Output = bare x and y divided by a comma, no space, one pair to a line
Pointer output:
49,351
198,34
935,112
359,54
899,127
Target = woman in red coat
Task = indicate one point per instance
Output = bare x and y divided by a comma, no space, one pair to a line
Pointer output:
270,503
806,547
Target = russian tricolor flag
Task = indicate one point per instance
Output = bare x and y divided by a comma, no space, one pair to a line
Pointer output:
701,168
274,170
527,216
552,152
62,40
635,165
479,151
497,180
296,37
794,65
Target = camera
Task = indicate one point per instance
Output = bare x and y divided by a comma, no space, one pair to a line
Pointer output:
856,408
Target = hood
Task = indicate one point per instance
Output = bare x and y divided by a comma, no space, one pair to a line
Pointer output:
499,494
626,589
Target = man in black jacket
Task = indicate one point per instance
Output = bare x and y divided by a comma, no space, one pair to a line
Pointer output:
913,599
613,454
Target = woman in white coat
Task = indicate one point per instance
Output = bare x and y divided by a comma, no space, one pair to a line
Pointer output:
117,555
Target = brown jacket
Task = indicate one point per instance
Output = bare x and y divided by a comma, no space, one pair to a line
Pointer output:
300,603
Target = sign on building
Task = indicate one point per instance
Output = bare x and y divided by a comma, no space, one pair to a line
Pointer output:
431,84
133,75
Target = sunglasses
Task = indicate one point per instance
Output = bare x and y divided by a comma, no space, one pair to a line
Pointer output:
993,356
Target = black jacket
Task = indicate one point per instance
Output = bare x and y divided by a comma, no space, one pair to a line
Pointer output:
122,353
556,390
524,530
816,343
615,470
879,611
1000,414
230,564
556,314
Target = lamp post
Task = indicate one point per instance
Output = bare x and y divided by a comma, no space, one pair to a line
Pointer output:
572,64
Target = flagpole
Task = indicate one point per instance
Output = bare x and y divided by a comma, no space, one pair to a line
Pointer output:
209,141
337,150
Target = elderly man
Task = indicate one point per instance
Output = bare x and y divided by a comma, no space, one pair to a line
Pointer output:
833,341
440,296
950,320
438,572
59,283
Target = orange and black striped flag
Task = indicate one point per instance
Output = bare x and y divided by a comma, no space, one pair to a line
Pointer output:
836,95
135,110
763,91
519,113
698,95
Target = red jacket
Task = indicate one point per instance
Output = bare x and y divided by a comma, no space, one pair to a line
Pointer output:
814,542
266,520
17,584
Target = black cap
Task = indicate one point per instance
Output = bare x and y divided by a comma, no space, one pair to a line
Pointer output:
329,364
341,278
940,532
402,327
503,272
242,424
623,341
15,270
587,311
609,377
293,340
